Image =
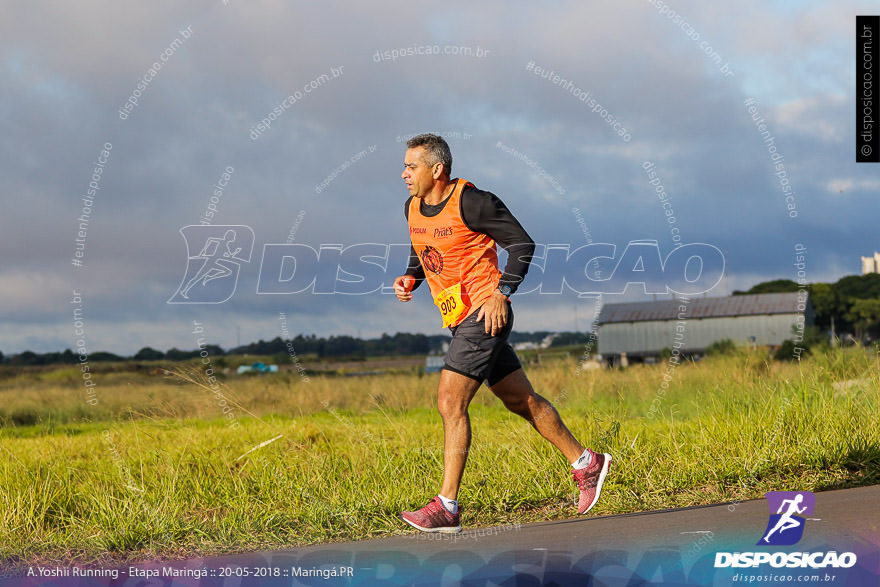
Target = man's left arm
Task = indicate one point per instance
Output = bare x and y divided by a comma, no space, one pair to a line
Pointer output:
485,212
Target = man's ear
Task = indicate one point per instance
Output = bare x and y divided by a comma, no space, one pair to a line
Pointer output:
437,171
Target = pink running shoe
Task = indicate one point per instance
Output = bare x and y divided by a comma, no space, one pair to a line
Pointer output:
590,480
434,518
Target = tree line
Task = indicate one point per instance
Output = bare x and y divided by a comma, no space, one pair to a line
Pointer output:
851,304
401,343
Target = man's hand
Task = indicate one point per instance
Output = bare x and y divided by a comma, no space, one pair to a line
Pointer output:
403,287
494,311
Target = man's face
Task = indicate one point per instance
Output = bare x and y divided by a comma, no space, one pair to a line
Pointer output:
418,175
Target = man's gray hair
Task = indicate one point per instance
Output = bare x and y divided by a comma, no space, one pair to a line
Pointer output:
437,150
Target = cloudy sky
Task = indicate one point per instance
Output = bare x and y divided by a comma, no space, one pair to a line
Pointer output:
342,85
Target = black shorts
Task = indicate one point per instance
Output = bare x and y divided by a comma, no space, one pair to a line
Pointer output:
481,356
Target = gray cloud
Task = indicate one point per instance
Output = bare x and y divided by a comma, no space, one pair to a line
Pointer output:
64,77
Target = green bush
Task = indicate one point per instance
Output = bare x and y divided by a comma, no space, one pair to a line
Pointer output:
724,346
813,339
789,350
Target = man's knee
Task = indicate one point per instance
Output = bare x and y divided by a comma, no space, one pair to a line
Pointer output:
521,404
453,403
451,407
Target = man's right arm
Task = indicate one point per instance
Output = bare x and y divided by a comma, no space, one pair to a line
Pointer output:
414,264
414,268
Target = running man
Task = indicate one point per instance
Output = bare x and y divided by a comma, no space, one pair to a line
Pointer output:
453,227
215,264
786,521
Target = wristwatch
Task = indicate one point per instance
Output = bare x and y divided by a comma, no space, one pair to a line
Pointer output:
505,291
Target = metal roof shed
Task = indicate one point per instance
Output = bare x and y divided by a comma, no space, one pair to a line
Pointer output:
692,324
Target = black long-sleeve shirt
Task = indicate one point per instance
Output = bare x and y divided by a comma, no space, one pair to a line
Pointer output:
483,212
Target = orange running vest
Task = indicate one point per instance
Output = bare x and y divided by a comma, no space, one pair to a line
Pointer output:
461,265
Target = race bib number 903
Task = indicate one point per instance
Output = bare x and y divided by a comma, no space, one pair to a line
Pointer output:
450,304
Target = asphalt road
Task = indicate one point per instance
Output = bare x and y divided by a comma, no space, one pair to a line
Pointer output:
672,547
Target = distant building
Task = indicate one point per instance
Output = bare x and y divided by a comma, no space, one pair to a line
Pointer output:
871,264
525,346
434,363
641,330
529,345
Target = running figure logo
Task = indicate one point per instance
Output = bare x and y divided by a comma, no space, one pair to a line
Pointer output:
212,274
786,525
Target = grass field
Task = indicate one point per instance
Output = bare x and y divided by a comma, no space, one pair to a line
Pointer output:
154,469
